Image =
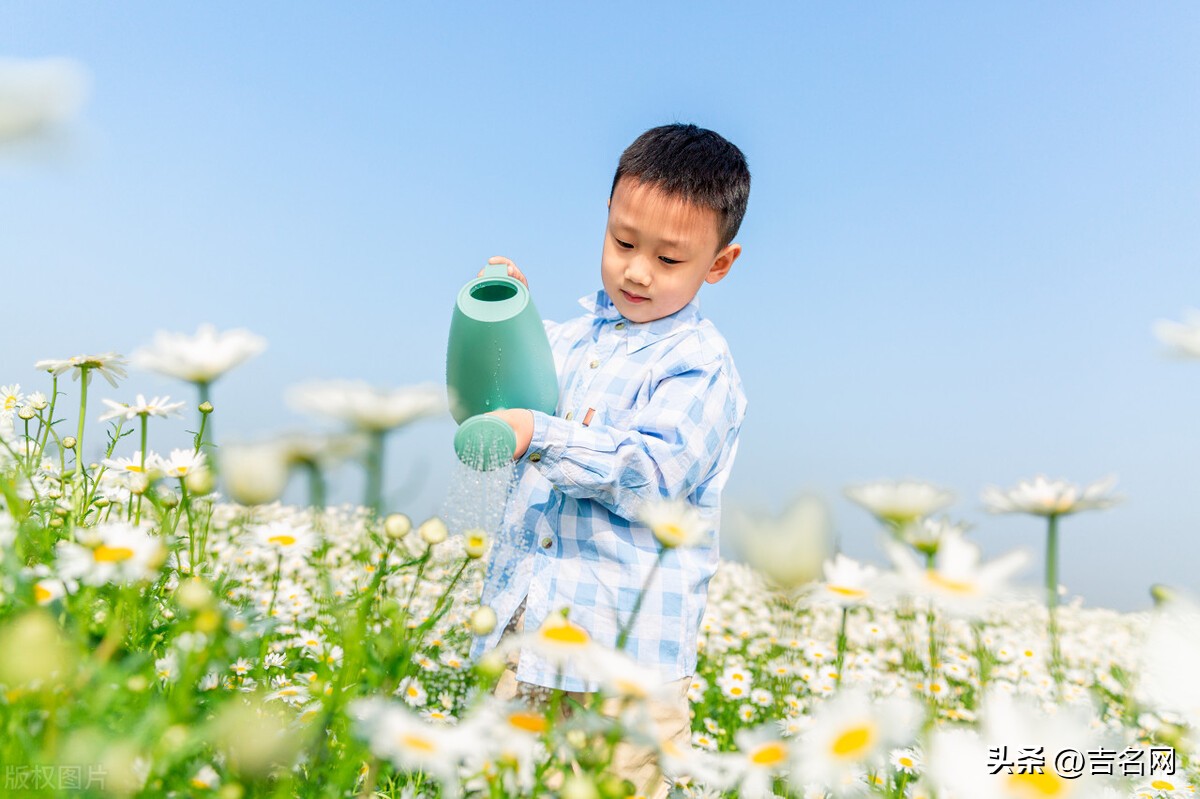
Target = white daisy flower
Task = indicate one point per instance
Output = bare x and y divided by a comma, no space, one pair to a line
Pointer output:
675,523
121,553
847,582
1182,337
956,582
396,734
183,462
108,365
285,537
852,731
899,502
158,406
201,357
367,407
1043,497
10,399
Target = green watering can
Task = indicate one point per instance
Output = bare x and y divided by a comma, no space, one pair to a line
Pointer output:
498,357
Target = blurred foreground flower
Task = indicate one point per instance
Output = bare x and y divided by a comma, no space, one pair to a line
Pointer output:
790,548
899,502
675,523
1170,653
396,734
375,411
200,358
956,581
254,474
1182,337
366,407
117,553
37,94
853,732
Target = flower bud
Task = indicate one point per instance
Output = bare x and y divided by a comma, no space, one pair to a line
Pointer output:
193,594
199,482
433,530
579,786
491,665
38,402
254,473
102,503
26,413
138,483
476,543
69,442
56,522
396,526
206,407
483,620
168,498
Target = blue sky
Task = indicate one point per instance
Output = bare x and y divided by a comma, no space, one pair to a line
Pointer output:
965,219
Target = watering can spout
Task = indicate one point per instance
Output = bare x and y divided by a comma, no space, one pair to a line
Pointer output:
497,357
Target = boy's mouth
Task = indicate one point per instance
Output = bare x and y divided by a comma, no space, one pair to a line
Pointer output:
633,297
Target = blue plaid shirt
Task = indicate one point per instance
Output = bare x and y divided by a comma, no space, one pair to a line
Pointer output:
645,410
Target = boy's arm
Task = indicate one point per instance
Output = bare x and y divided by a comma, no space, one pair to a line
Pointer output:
665,449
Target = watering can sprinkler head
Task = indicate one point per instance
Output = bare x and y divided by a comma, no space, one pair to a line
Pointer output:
497,357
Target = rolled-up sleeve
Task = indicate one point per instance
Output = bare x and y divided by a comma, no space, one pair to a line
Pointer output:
667,448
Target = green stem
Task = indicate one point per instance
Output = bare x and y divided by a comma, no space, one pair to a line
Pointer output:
83,387
627,628
1052,596
374,497
145,470
49,419
841,646
316,484
204,426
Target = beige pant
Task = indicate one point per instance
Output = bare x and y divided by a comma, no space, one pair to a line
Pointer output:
638,764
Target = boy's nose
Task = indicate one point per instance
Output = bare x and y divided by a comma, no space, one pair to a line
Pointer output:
637,271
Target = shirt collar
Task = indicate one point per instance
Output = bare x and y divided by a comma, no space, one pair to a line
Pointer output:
641,334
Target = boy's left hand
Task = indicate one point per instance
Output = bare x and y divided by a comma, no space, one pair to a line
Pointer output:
521,421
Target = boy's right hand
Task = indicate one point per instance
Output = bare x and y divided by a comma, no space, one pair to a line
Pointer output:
512,268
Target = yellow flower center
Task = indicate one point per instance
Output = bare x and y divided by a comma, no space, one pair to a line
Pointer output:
283,540
42,594
133,467
953,586
10,402
107,554
905,762
1163,785
854,742
565,634
670,534
855,593
418,743
769,755
1031,786
529,722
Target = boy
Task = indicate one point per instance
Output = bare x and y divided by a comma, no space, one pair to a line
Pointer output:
650,406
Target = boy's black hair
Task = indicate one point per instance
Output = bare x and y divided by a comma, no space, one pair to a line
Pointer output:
695,165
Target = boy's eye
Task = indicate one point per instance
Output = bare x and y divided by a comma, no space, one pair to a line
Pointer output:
666,260
624,244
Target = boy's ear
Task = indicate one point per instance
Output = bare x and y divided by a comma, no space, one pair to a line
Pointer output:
724,261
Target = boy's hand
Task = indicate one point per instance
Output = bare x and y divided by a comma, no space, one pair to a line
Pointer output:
512,268
521,421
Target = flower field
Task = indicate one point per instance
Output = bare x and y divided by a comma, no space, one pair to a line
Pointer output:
168,628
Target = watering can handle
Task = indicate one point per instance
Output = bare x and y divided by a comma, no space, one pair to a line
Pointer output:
495,270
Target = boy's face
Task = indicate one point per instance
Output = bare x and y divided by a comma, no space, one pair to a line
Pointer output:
658,250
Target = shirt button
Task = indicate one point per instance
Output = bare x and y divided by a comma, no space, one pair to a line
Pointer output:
535,457
570,415
547,542
594,364
620,325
